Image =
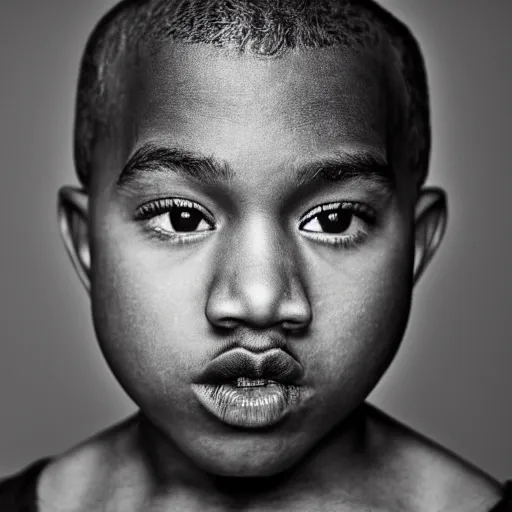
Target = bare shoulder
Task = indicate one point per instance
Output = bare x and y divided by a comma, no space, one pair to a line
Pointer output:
82,478
429,476
417,474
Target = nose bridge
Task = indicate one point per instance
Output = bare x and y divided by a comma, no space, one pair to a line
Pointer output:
260,270
257,280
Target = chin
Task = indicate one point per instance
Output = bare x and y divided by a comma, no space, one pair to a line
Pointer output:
257,462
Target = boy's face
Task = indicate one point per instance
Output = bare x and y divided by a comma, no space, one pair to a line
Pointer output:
261,228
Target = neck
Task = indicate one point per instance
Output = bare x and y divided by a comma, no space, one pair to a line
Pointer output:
338,456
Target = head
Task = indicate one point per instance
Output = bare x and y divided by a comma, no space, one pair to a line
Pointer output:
252,188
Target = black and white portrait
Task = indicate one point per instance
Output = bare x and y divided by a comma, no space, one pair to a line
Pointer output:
255,255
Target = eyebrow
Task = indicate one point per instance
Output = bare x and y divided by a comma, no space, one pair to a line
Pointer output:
342,166
153,158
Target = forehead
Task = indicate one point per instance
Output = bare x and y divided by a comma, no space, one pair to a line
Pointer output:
245,109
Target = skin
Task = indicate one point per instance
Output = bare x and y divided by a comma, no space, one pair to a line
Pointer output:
162,310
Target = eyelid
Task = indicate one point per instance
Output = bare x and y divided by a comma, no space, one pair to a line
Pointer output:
161,206
365,211
345,241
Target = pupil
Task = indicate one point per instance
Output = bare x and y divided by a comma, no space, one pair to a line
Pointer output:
335,221
185,219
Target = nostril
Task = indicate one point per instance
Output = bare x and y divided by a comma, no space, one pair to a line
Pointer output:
295,326
296,314
226,323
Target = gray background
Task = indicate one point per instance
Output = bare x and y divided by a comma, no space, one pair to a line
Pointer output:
452,380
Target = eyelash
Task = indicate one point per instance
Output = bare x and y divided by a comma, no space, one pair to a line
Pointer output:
359,210
159,207
151,210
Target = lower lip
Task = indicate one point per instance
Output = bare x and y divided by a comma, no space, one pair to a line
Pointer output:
248,407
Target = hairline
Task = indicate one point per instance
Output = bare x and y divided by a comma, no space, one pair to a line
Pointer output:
116,53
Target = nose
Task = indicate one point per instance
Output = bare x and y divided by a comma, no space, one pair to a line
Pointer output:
257,282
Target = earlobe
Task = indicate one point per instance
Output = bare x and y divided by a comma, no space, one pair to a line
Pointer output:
73,212
430,224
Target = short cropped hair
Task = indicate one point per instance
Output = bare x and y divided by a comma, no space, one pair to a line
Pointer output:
265,28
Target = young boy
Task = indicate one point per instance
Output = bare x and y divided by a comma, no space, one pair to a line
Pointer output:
250,227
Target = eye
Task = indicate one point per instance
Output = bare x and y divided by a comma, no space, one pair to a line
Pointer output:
344,223
176,219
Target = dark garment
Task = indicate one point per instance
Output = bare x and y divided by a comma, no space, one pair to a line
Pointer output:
506,504
18,493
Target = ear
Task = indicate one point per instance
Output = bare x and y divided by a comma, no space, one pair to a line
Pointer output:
430,224
73,213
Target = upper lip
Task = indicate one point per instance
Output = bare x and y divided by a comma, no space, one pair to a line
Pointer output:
273,364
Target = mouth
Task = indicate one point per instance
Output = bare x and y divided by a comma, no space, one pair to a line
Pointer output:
249,390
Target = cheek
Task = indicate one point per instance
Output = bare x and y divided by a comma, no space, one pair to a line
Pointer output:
148,311
361,307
